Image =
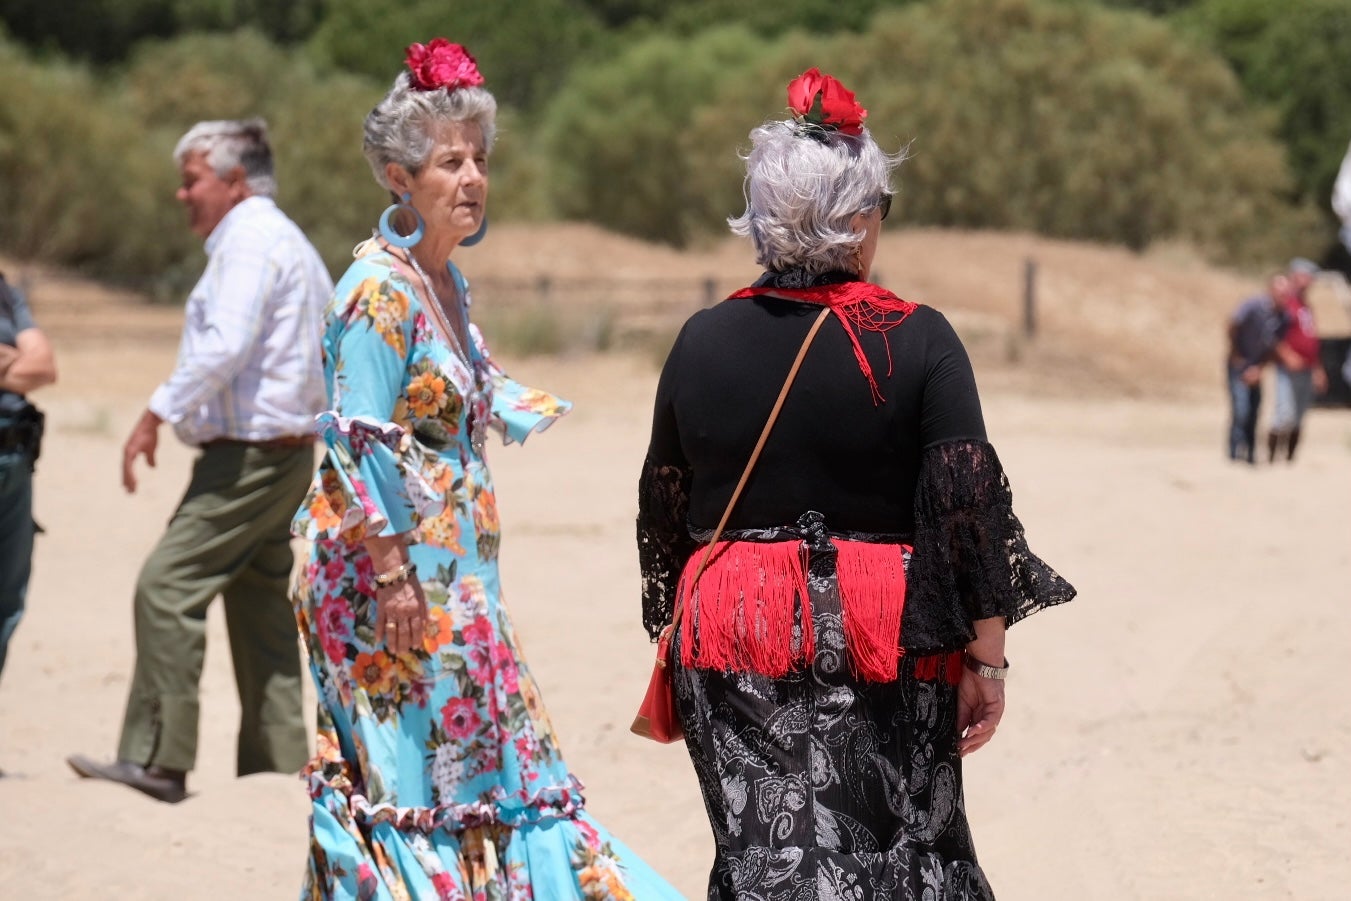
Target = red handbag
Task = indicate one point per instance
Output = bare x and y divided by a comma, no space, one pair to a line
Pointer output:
657,717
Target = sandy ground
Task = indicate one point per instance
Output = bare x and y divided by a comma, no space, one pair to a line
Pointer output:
1180,731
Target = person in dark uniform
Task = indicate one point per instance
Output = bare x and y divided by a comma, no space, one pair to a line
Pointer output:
26,363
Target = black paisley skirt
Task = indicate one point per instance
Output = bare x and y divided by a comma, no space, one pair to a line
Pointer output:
820,786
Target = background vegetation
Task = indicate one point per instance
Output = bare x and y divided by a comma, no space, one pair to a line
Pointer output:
1216,122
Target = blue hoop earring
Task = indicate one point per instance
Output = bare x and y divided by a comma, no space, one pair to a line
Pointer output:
478,235
387,229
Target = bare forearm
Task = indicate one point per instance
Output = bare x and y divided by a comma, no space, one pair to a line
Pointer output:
387,553
988,646
31,365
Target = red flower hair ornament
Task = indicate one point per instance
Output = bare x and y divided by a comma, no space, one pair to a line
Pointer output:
441,64
820,104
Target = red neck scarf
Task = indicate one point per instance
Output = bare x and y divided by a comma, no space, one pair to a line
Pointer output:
858,305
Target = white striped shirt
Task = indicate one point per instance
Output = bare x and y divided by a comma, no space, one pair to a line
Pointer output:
249,364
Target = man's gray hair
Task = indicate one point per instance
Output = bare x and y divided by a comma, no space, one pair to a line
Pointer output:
802,191
403,126
227,143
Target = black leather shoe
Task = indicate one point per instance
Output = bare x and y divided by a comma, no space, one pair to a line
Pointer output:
169,786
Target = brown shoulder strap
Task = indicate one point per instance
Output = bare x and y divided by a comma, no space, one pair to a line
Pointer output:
755,455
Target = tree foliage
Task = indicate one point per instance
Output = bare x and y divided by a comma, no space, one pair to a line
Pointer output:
620,140
1065,119
1173,118
1291,56
105,31
1073,121
525,48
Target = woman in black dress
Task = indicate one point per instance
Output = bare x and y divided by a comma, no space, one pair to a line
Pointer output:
844,647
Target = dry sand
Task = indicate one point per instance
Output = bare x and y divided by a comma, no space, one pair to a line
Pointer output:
1180,731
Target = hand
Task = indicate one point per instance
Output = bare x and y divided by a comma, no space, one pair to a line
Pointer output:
142,441
980,707
1252,375
7,357
1320,380
401,616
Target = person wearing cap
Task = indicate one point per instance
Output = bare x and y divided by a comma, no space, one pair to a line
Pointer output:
1299,372
246,388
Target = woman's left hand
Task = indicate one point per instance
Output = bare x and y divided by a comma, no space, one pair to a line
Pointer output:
401,616
980,707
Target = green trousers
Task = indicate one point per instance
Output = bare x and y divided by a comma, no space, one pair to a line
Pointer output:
230,536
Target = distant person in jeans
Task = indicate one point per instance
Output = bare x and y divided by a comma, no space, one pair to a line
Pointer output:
26,363
245,390
1255,329
1299,371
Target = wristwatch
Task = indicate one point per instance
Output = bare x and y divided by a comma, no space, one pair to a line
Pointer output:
986,671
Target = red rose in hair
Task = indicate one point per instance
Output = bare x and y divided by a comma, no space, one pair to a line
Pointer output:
441,64
822,101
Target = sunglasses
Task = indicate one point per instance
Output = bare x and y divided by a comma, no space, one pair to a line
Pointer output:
884,204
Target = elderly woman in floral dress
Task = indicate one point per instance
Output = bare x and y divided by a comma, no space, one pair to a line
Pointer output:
437,773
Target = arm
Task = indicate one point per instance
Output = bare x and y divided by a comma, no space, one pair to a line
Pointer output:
29,364
664,543
1341,191
400,608
980,701
972,574
369,492
236,289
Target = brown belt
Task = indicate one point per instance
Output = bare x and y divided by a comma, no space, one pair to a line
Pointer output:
284,442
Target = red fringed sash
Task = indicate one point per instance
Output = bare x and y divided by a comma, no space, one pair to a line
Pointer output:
858,305
744,608
872,597
742,616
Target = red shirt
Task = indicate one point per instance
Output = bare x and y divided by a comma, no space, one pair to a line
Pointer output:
1302,335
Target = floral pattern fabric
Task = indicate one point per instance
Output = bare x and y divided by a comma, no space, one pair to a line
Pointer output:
437,773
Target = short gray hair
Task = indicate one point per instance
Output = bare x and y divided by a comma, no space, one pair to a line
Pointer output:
402,127
227,143
801,191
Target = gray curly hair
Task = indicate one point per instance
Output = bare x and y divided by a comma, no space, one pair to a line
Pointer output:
402,127
801,192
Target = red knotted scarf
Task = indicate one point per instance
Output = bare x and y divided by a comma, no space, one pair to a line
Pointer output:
858,305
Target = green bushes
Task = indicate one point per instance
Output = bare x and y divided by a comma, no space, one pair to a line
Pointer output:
1065,119
1291,56
1220,124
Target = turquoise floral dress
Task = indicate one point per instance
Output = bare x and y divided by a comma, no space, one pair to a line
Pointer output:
437,773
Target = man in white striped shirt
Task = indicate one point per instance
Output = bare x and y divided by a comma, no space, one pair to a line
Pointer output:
246,388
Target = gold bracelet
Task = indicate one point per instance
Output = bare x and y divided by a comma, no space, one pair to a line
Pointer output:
396,576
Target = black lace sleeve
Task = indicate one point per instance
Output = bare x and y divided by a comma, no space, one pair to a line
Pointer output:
664,542
971,560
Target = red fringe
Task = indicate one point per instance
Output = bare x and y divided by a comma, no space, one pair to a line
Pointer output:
940,668
872,597
752,594
743,610
858,305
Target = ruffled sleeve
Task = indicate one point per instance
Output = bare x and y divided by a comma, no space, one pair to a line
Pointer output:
664,542
518,411
374,478
971,560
